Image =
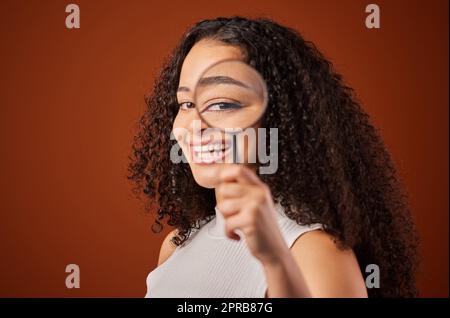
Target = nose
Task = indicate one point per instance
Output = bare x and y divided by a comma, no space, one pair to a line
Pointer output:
197,124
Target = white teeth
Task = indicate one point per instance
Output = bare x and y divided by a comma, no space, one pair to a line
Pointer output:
209,148
199,148
209,153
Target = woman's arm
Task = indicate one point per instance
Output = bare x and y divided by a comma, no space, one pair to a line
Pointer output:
315,267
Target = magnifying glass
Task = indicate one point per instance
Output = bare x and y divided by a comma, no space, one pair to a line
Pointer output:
230,96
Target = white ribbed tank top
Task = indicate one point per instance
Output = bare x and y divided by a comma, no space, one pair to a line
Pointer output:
210,265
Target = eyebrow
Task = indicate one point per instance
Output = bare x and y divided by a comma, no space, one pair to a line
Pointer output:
214,80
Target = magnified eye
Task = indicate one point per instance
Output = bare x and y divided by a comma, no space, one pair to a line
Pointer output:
223,106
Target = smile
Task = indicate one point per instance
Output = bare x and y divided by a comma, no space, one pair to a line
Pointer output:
209,153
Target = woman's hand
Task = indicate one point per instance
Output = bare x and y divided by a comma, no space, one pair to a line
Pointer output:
247,205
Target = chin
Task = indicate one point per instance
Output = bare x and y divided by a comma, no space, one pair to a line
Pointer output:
206,175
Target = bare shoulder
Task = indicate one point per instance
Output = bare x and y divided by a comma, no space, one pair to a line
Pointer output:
328,270
167,247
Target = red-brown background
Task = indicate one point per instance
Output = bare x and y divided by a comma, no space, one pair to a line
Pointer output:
69,100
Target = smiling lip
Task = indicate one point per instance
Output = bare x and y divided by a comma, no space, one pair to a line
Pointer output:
209,153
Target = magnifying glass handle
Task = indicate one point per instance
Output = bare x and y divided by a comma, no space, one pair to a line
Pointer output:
234,149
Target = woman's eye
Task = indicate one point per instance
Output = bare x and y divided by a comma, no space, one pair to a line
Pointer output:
186,105
223,106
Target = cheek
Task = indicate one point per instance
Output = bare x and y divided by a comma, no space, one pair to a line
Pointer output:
249,147
180,129
179,125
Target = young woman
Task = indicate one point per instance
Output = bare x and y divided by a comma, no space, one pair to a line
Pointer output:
334,206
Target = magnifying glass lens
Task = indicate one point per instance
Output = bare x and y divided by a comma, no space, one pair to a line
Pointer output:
230,95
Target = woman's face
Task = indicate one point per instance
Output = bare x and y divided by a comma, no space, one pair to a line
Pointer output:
206,150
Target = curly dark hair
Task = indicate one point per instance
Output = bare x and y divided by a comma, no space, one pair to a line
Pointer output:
334,168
